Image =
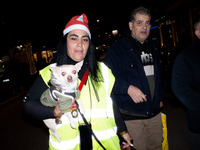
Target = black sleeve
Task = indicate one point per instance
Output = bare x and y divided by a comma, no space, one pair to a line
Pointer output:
113,61
121,127
32,105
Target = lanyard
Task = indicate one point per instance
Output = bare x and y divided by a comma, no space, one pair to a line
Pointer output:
74,108
83,80
76,104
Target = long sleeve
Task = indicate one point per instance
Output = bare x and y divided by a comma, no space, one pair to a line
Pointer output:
33,106
121,127
185,78
112,60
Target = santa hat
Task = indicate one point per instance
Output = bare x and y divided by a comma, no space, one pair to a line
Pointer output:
77,22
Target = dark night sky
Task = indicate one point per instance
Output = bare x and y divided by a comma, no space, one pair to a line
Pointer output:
42,23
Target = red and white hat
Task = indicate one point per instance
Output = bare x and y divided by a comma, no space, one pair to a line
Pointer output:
77,22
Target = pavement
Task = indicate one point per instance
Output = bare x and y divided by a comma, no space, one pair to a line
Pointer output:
20,132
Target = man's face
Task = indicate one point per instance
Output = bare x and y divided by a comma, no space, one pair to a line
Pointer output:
140,28
197,31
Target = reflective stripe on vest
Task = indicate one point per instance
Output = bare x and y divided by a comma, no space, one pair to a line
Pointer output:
106,85
97,112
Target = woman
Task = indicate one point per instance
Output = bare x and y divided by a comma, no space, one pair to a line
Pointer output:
74,47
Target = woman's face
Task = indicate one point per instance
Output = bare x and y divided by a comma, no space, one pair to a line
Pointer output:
77,44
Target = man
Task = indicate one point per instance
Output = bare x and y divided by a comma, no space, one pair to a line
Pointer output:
138,88
186,85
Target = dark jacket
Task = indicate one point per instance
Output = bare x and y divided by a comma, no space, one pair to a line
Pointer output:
186,82
123,58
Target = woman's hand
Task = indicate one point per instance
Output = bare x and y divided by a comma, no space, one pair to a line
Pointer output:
57,112
128,139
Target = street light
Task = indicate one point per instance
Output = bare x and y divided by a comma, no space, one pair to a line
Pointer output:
114,32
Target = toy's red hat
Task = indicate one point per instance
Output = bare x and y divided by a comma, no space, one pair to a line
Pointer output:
77,22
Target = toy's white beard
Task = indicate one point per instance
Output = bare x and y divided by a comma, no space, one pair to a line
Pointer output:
70,87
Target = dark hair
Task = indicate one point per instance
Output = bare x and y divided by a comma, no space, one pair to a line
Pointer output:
90,59
139,10
196,22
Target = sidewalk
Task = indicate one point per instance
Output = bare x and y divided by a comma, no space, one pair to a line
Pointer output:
177,125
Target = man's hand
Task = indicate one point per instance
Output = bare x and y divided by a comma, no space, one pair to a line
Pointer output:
161,104
136,94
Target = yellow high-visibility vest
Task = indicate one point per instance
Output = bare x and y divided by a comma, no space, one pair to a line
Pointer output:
98,113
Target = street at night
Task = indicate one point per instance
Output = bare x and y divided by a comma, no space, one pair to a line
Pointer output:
29,37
